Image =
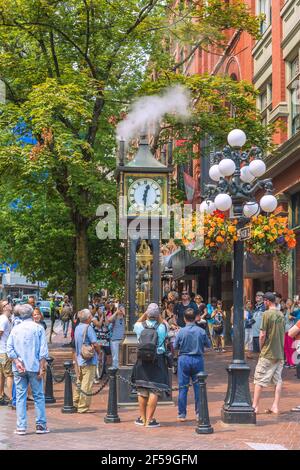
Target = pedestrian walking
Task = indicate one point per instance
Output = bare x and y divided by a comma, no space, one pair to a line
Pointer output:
257,316
182,306
117,320
190,341
290,321
27,347
150,373
85,336
66,314
294,335
248,322
218,317
270,363
6,375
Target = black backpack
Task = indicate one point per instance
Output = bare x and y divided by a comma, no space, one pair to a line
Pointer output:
147,345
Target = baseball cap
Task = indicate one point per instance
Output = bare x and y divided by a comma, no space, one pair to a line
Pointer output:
269,296
153,310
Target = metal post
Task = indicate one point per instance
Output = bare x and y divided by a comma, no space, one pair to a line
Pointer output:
112,405
237,407
49,397
68,396
203,426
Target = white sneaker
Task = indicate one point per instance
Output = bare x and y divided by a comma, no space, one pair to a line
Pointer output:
20,432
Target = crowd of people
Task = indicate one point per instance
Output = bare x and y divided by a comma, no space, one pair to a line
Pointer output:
179,330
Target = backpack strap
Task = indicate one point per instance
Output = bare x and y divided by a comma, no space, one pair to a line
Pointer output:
84,334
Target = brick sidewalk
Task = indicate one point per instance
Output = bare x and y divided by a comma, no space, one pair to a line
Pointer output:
90,432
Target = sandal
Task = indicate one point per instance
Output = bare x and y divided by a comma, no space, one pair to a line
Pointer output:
268,411
296,408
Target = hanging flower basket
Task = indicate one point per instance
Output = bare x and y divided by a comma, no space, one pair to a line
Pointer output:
269,235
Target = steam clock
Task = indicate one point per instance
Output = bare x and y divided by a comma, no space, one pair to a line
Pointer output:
144,195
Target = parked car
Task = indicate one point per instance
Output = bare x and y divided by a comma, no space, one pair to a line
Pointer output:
44,306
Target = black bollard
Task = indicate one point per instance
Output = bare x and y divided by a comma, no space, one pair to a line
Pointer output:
112,405
203,426
49,397
68,396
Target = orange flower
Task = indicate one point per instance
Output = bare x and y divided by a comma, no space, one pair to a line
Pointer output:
212,244
266,228
220,239
261,235
231,229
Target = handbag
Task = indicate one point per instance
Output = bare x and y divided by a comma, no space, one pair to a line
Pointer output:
87,350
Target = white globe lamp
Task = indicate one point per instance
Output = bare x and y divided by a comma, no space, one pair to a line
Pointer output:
211,207
268,203
250,209
257,167
223,202
226,167
246,174
207,206
236,138
214,173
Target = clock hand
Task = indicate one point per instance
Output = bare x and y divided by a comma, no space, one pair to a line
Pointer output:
145,195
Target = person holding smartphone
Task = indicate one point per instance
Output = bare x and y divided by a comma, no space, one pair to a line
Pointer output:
117,320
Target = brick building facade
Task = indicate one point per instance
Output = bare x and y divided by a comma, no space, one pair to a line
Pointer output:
272,65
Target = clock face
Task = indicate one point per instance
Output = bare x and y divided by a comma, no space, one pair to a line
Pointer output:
144,194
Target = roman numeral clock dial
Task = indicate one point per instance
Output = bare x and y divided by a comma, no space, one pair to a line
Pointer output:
144,195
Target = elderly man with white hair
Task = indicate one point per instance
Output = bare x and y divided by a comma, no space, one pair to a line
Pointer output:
85,335
27,347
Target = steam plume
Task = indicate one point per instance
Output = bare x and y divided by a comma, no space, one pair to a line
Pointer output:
147,112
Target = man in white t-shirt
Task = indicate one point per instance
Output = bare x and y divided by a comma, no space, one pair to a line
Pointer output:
5,363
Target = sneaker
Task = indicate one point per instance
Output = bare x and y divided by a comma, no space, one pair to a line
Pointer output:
153,424
139,422
224,350
181,418
3,402
20,432
39,429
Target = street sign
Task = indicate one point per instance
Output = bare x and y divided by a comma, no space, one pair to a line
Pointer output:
244,233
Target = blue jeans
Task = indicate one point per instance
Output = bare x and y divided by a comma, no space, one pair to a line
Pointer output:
14,394
66,327
114,346
22,381
188,368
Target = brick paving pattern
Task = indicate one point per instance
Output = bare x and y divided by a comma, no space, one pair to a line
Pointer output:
90,432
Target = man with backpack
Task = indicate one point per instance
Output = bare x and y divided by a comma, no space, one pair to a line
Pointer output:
150,373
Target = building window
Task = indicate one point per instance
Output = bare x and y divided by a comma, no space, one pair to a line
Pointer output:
265,7
295,201
263,101
294,89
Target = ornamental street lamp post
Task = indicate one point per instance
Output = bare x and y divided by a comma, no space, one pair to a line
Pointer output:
235,189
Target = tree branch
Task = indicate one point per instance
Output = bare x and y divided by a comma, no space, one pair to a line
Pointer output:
179,64
54,56
23,25
87,27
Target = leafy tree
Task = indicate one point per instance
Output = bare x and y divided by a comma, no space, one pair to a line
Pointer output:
70,69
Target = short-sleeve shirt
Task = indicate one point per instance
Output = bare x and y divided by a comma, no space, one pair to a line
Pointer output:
161,333
274,325
89,339
5,326
180,309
